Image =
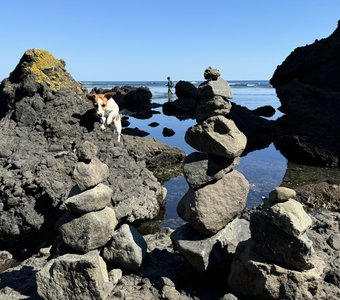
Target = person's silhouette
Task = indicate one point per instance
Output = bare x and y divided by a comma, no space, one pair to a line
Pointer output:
170,85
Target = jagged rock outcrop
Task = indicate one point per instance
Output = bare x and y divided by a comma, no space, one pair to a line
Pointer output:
163,161
307,84
37,72
45,119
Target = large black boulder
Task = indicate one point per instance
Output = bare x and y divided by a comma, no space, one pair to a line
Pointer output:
186,90
129,97
308,86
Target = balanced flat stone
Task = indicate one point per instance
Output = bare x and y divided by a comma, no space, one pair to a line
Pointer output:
88,175
290,217
200,169
208,253
90,200
277,246
218,87
216,106
89,231
281,194
218,136
211,208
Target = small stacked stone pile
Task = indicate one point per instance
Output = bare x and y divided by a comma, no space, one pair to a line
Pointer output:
279,255
88,223
89,227
279,233
217,192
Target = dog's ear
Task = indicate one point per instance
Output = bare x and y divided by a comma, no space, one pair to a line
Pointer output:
91,96
109,95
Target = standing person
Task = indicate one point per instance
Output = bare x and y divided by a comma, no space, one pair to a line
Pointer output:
170,85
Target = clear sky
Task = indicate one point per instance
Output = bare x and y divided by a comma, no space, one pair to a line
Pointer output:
153,39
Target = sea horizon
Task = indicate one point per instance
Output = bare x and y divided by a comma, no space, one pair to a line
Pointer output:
232,83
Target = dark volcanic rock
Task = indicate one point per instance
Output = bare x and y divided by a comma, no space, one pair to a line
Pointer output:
37,72
153,124
260,132
186,90
129,97
183,108
201,168
168,132
318,188
311,63
162,160
308,86
309,150
321,195
265,111
135,132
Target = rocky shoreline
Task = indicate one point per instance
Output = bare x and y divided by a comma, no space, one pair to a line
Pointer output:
72,198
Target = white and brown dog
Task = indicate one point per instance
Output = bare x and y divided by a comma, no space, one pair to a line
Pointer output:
107,109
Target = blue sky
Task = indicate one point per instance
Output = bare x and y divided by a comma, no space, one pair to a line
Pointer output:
151,39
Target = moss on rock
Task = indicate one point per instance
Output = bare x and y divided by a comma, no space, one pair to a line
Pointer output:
47,69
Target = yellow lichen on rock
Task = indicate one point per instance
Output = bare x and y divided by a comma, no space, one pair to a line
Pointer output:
47,69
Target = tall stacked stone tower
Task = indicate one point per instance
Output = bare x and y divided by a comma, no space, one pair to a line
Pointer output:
217,192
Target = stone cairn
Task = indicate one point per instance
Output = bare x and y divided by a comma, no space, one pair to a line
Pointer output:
217,193
278,261
89,227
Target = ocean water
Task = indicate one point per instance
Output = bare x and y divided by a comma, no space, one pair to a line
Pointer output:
264,169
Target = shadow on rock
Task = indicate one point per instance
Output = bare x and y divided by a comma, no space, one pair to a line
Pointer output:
22,281
87,120
135,132
161,264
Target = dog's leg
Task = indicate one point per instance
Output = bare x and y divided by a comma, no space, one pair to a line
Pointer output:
118,124
102,122
110,117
